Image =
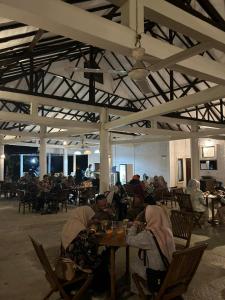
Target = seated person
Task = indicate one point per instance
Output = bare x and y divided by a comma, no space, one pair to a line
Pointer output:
79,244
197,198
119,201
137,207
160,187
88,172
138,187
45,187
158,225
102,209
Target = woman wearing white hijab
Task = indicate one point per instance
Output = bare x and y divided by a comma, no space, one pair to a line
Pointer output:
158,224
78,222
197,198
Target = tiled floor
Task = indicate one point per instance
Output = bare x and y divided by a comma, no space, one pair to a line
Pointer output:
21,276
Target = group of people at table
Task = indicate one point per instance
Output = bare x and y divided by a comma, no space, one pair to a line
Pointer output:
80,235
80,241
147,191
42,192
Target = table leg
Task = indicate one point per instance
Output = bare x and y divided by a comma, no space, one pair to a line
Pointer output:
127,261
112,273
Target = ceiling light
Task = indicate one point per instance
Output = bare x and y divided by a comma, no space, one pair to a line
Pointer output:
33,160
87,152
77,152
97,151
64,143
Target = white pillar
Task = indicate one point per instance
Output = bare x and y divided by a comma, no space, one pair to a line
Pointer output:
21,165
49,162
65,162
74,164
2,159
110,159
195,162
104,152
42,152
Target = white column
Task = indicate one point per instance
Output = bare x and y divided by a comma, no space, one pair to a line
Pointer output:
2,158
195,168
110,159
49,162
65,162
42,152
21,165
104,152
74,164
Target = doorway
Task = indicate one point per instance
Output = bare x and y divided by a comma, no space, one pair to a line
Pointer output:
188,170
82,162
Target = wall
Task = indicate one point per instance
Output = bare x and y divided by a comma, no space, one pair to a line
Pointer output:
149,158
218,174
181,149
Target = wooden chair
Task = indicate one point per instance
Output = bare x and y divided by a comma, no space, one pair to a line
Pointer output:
180,273
182,225
184,201
56,284
175,191
63,197
168,197
23,202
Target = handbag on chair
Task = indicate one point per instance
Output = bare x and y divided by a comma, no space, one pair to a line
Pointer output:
65,268
155,278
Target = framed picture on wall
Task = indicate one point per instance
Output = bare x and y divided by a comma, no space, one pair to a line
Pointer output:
180,169
208,152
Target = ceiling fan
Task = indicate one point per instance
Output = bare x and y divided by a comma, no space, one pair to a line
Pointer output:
138,73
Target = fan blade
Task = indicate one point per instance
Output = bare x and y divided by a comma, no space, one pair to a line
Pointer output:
144,86
89,70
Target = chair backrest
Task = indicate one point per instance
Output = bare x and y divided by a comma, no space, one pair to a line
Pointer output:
181,271
182,225
176,191
184,201
50,274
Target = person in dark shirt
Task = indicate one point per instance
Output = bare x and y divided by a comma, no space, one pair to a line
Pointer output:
102,209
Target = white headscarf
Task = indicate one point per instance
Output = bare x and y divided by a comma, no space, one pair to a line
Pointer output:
158,222
77,222
193,185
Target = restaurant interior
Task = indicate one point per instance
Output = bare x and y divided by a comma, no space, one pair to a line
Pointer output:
112,149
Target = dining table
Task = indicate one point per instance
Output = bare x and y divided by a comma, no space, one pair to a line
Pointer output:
114,240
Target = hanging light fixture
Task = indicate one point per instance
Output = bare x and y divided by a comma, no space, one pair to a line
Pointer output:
87,152
77,152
